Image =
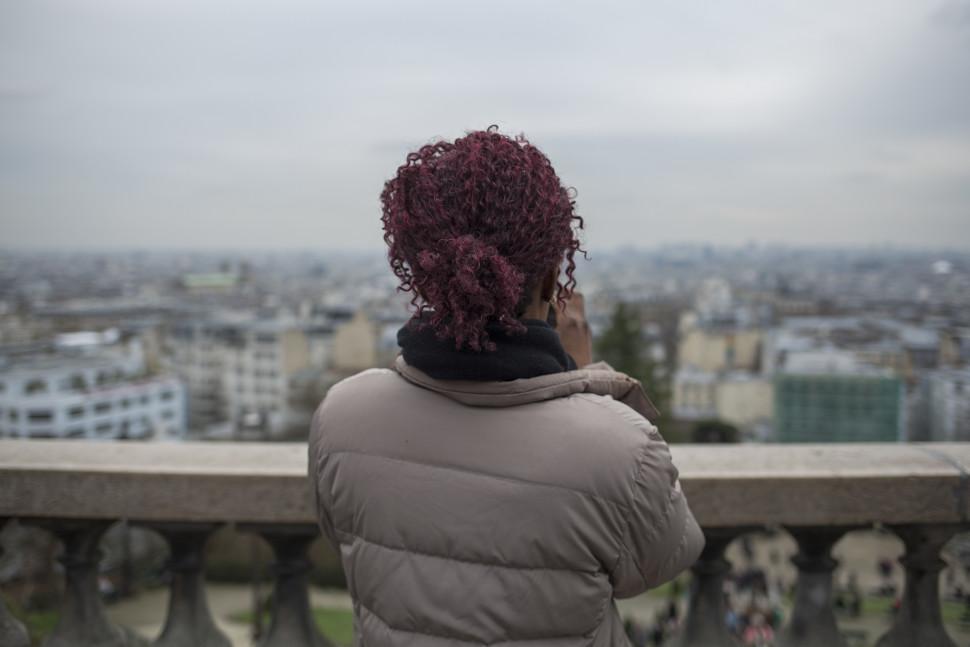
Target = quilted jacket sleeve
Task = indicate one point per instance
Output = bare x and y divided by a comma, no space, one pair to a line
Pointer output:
316,458
662,537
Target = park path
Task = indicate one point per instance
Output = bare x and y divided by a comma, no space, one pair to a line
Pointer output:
145,612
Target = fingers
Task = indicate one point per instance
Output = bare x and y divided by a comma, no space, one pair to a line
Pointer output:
574,330
575,305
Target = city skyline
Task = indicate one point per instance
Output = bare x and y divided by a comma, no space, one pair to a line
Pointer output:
245,126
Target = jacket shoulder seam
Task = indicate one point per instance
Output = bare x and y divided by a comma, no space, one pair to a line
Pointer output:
604,402
358,376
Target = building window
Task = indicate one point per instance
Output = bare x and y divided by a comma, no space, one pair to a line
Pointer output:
125,403
266,339
75,412
40,415
144,399
75,432
167,395
168,414
35,386
14,415
103,428
102,407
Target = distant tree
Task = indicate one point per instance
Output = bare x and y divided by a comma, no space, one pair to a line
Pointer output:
305,396
714,431
621,344
624,347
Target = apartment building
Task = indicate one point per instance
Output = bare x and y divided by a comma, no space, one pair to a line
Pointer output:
829,396
249,376
101,393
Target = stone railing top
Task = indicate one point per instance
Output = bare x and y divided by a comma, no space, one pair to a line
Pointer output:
726,485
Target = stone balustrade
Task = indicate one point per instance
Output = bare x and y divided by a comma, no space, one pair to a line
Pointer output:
184,491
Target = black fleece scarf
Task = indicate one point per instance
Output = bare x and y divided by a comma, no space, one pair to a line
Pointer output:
536,352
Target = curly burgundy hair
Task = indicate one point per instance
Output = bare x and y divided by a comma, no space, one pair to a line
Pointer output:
471,227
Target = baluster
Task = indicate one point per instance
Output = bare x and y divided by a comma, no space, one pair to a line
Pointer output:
82,620
12,632
292,623
188,621
705,623
919,622
812,623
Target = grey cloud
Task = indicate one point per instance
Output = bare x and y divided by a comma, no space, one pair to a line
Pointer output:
953,14
244,124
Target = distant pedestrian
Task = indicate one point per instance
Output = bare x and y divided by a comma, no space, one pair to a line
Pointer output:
758,633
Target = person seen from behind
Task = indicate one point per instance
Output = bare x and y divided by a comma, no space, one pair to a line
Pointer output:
494,487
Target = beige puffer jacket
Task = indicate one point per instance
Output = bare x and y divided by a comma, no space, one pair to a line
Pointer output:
496,513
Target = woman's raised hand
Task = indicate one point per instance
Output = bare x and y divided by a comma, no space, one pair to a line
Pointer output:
574,330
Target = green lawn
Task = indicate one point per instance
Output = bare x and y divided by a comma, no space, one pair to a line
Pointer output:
38,623
336,624
952,611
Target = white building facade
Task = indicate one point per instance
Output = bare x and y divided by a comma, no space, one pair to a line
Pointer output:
248,376
94,397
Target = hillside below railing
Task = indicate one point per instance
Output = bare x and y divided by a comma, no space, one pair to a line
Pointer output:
817,493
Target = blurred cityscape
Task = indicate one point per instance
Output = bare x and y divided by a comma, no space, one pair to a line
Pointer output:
147,133
748,343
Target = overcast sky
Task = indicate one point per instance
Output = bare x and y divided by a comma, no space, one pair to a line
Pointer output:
274,124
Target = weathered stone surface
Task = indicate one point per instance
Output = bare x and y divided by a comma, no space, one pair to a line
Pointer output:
833,484
81,620
292,623
12,631
812,622
727,486
213,482
705,624
919,621
188,622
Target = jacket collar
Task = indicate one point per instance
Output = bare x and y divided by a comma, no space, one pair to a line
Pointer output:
596,378
534,351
